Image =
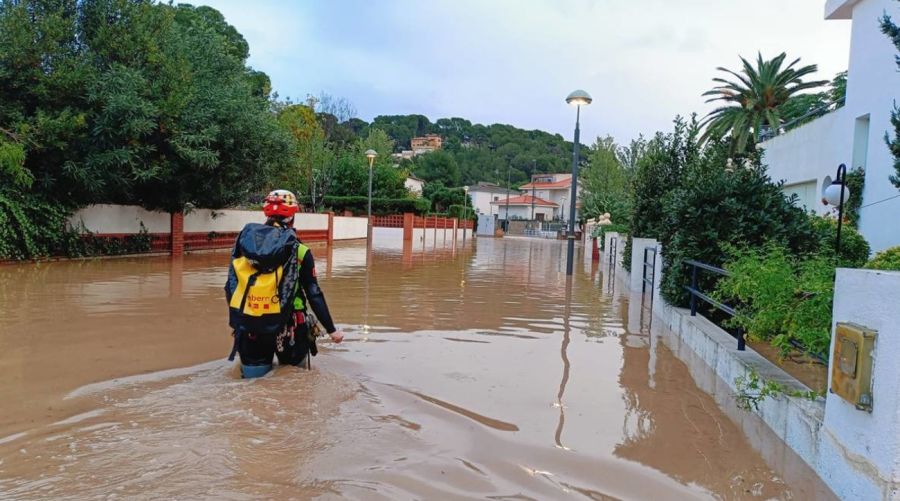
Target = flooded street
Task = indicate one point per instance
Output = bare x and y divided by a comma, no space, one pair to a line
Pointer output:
467,373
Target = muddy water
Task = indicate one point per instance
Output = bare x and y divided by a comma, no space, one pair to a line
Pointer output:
468,373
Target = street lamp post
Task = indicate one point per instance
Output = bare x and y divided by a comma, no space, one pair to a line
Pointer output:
838,194
533,163
370,154
578,99
465,211
507,198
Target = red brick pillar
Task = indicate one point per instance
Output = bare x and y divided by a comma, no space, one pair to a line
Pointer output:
330,229
408,221
177,233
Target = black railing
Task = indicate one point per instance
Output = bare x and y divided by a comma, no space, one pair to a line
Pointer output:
696,294
613,249
651,263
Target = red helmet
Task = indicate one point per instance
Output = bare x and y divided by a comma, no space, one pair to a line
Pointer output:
280,203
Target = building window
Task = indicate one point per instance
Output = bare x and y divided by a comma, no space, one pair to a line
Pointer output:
860,143
496,198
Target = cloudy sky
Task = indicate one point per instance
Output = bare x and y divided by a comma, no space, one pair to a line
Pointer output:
514,61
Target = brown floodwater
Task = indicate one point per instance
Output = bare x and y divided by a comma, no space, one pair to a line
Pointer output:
476,372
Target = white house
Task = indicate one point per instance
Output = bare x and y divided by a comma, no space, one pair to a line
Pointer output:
554,188
483,194
525,207
414,185
806,157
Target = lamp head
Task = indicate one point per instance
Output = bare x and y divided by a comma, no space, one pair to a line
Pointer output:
579,98
833,194
371,154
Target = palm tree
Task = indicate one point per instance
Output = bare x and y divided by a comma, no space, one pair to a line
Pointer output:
753,102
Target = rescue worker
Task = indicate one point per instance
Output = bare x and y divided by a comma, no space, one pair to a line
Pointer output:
278,304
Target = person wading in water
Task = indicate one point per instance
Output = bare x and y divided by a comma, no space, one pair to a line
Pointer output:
275,303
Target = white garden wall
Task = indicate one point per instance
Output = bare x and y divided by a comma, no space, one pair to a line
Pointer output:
856,453
113,219
350,228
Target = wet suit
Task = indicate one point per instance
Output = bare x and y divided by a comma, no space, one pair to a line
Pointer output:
257,350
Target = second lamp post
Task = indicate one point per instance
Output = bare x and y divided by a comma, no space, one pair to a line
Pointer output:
578,99
370,154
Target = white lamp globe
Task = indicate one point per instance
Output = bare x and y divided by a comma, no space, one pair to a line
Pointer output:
833,194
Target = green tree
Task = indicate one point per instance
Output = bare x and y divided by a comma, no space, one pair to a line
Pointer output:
893,32
606,182
438,166
754,100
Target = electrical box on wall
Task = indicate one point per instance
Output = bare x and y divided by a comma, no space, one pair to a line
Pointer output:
851,368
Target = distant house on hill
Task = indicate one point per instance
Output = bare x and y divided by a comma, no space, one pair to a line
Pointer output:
425,144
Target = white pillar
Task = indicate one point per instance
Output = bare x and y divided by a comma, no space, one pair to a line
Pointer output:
637,261
868,441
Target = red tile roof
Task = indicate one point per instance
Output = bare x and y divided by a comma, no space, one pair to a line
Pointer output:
525,200
563,184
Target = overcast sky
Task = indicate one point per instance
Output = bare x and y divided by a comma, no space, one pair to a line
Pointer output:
514,61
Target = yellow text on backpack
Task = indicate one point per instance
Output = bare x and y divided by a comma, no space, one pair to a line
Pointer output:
261,297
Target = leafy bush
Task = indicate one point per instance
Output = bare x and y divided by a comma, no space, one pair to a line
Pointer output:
888,259
716,205
658,173
32,227
779,297
380,206
854,248
856,182
458,211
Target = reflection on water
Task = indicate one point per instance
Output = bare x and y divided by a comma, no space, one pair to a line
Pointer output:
474,371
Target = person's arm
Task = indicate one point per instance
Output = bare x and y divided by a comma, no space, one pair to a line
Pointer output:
315,299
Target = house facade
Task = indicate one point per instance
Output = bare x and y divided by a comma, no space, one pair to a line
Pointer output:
554,188
414,185
483,194
525,207
806,158
425,144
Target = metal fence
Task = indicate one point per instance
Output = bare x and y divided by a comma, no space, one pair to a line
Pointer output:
696,294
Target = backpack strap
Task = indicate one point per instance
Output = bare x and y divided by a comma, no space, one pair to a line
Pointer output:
235,348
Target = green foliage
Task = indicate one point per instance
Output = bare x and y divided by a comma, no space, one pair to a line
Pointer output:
856,181
380,206
755,99
657,173
476,152
893,32
135,102
606,181
462,212
601,231
12,164
438,167
716,204
888,259
752,390
33,227
854,248
443,198
779,297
